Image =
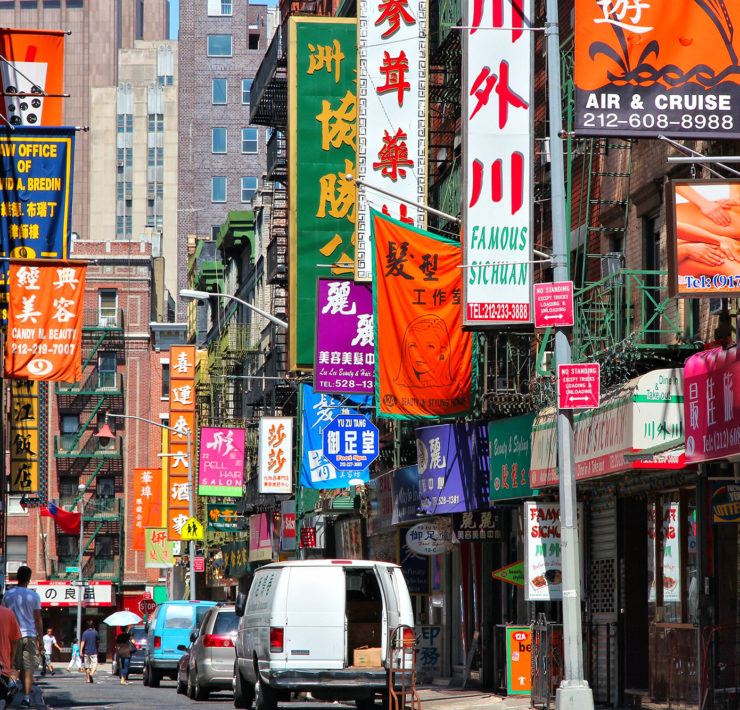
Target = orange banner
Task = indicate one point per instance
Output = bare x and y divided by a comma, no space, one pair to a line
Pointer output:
424,368
45,320
147,503
35,65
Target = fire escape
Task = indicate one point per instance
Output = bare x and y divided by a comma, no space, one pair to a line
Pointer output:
82,458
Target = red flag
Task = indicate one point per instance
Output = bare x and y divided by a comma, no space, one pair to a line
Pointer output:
68,522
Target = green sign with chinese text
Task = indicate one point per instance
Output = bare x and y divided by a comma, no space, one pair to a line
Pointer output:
224,518
510,443
322,127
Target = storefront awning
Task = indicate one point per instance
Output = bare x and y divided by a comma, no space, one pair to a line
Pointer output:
643,414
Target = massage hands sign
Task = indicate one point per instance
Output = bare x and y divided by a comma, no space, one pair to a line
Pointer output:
701,243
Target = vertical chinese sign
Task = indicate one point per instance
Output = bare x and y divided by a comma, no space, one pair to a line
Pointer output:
345,338
147,504
322,125
221,464
425,365
24,436
182,418
158,549
666,67
392,125
275,456
497,178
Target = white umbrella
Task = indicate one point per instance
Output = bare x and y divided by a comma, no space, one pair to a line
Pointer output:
122,618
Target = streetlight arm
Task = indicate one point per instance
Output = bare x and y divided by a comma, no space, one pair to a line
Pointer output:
204,296
142,419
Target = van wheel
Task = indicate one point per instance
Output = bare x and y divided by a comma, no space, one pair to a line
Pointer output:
264,696
145,675
155,677
243,692
199,692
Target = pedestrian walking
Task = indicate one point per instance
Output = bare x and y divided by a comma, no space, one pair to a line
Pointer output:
10,636
89,649
26,605
50,641
75,663
126,649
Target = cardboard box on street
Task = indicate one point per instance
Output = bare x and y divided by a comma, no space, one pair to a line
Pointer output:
367,657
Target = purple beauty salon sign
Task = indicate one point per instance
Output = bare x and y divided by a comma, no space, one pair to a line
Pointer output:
345,353
453,465
221,465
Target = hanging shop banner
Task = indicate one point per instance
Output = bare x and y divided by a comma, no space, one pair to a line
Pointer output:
415,564
645,413
236,559
148,513
322,145
66,593
260,537
345,339
159,551
479,526
497,178
275,456
666,67
45,320
425,365
392,126
318,411
510,443
221,464
670,527
34,66
24,436
712,406
543,567
224,517
433,537
287,526
453,465
725,503
703,224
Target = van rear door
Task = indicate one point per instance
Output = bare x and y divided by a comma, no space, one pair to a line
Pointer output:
314,629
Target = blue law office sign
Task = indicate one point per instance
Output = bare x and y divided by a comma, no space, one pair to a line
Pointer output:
351,442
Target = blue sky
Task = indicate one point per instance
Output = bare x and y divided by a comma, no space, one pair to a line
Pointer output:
174,18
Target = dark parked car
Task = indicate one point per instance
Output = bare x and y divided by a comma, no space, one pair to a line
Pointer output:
183,669
138,636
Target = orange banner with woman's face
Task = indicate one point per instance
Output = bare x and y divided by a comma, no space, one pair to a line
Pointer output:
423,358
45,320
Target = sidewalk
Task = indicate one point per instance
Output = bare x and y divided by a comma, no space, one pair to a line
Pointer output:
434,697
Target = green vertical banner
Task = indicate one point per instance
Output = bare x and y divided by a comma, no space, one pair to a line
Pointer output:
510,443
322,129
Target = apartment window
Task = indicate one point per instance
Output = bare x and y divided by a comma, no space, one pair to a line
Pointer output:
155,156
7,4
69,425
220,45
52,4
73,4
107,306
68,487
215,232
106,370
254,40
218,140
218,188
155,122
29,4
246,91
219,8
16,552
105,546
105,487
124,156
249,140
165,380
218,91
249,187
68,547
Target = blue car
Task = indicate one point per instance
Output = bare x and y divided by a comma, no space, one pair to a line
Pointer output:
170,626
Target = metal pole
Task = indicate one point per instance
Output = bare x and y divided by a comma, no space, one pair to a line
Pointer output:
574,691
191,511
79,569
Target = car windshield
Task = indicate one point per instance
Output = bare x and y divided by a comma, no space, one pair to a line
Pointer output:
226,623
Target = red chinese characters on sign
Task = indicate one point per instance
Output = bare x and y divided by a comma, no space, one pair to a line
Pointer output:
395,69
394,12
553,304
275,452
578,385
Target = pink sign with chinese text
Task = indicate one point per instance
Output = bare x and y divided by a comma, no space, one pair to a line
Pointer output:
221,464
260,537
578,385
712,405
553,304
497,170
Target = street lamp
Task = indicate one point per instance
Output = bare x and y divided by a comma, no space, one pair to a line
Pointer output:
106,433
204,296
80,588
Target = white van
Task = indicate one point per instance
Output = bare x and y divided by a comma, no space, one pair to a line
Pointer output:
303,621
